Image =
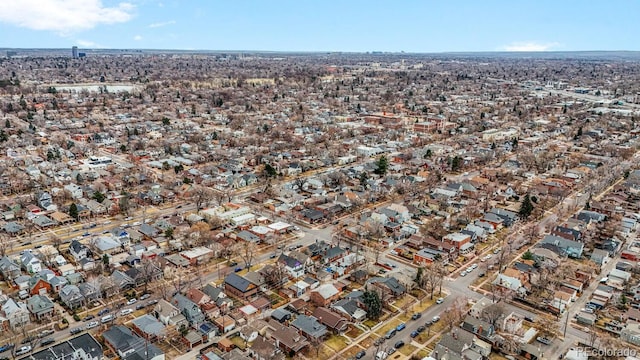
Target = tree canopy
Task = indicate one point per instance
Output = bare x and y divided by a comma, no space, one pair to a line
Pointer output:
371,300
382,165
526,207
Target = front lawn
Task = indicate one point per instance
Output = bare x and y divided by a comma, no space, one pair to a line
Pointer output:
407,350
336,343
354,332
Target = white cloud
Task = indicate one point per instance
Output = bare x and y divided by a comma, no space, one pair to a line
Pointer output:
63,16
530,46
161,24
88,44
137,38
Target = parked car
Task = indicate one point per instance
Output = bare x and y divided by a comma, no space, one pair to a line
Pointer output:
28,339
103,311
6,347
361,354
75,331
414,333
390,333
140,306
474,266
391,351
145,296
398,344
88,317
463,273
152,302
23,350
48,341
124,312
233,263
439,301
92,324
416,316
132,301
435,319
46,332
420,329
238,269
543,340
401,327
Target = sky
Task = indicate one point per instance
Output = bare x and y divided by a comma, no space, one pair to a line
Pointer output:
323,25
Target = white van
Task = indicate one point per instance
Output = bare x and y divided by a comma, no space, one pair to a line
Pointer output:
125,312
106,319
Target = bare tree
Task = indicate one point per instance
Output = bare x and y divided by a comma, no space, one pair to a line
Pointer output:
494,313
201,196
247,252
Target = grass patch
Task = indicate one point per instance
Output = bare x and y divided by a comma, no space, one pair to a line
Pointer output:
238,342
407,350
354,332
324,352
336,343
403,302
391,325
423,353
351,352
370,323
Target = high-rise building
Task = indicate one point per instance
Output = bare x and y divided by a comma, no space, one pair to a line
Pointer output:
74,52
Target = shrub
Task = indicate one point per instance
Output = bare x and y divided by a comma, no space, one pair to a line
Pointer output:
76,317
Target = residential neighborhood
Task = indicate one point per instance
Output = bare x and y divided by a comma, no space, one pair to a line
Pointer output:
246,205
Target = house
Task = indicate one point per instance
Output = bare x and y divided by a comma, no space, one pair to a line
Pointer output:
293,266
309,327
78,250
149,328
513,280
83,347
71,296
40,306
90,290
460,344
350,307
122,280
197,255
478,327
165,312
281,315
457,239
9,269
16,313
631,333
600,257
390,286
288,339
331,320
324,295
128,346
40,284
562,246
189,309
239,287
262,349
30,263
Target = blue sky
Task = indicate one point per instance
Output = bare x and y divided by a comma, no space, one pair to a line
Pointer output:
328,25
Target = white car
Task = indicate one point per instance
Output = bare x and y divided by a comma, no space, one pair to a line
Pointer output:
23,350
463,273
92,324
439,301
125,312
474,266
132,301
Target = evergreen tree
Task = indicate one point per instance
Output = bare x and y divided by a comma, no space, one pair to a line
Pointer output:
270,170
73,211
526,207
382,165
98,196
372,302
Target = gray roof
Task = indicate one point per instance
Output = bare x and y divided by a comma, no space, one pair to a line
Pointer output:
123,340
237,282
310,326
149,325
80,344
